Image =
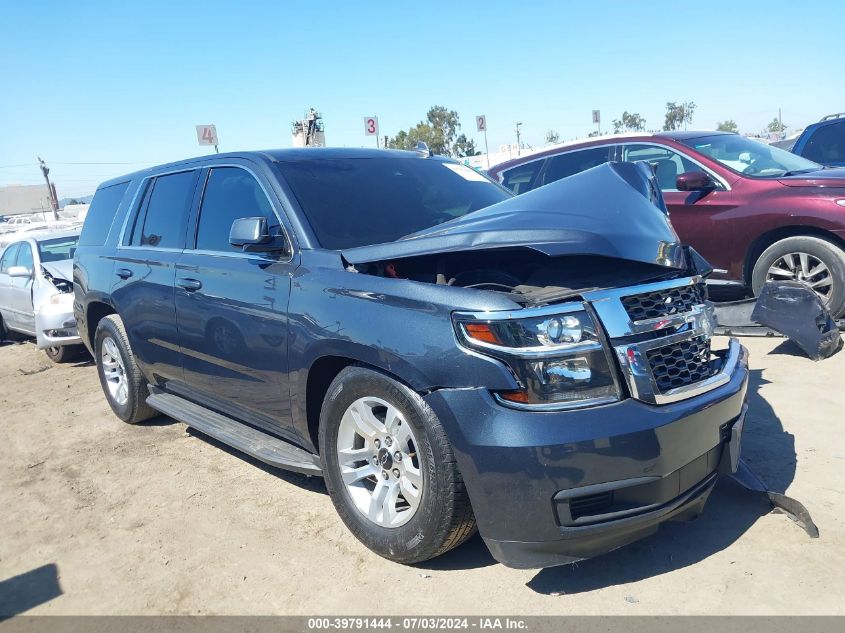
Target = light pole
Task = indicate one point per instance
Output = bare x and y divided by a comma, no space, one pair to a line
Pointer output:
518,146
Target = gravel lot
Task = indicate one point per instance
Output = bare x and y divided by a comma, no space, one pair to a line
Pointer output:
157,519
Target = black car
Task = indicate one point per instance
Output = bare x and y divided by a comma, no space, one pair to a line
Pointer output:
444,354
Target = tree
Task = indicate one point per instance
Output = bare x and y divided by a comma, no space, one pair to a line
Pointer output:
727,126
464,147
593,133
775,126
439,131
552,137
678,114
630,122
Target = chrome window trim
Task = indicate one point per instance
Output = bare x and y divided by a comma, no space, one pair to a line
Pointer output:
143,187
704,168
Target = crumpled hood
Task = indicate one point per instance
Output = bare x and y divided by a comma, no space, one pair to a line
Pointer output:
613,210
833,177
62,269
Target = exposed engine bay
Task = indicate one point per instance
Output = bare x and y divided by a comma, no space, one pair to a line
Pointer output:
527,276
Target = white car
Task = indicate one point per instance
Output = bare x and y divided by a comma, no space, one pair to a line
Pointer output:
36,292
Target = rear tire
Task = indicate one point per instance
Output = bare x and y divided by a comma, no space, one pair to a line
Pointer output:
439,516
123,384
793,258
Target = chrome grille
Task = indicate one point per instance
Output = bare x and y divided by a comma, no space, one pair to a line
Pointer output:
681,364
664,303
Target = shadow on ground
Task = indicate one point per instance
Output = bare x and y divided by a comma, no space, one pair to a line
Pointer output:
28,590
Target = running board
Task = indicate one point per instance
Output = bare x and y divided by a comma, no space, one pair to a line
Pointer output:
262,446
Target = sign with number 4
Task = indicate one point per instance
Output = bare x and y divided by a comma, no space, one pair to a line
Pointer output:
371,126
481,123
206,135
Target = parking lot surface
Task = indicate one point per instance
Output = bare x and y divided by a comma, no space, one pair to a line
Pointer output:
156,519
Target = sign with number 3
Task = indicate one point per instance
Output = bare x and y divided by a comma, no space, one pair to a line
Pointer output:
371,126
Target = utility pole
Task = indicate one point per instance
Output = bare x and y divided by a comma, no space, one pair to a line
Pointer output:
518,146
51,191
780,125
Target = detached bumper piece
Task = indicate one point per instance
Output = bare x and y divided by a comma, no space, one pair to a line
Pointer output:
793,309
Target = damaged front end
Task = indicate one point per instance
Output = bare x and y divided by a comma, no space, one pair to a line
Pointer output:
610,338
604,228
52,302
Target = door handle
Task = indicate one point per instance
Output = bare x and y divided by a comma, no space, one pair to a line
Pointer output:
123,273
189,284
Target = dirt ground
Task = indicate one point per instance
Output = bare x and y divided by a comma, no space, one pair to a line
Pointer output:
98,517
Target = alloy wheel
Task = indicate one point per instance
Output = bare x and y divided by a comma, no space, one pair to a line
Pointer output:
114,371
380,462
805,268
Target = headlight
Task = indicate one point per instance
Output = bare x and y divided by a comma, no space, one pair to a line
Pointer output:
558,359
61,297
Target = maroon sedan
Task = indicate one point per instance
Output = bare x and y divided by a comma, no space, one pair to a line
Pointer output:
756,212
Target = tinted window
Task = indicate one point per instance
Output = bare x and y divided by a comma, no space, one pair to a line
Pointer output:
101,214
57,249
8,259
827,144
572,163
166,211
355,202
667,164
25,256
230,193
522,178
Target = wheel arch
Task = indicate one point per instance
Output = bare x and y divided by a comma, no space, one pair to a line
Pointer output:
321,373
765,240
94,313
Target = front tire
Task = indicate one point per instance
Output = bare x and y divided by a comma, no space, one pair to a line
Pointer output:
122,382
814,261
390,470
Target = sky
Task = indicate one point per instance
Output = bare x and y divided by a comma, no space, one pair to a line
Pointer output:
98,89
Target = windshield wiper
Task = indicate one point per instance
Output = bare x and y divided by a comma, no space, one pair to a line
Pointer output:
796,172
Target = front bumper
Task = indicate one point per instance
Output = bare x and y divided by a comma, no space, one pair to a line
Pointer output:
55,326
553,488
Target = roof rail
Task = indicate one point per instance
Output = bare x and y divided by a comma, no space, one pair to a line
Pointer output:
838,115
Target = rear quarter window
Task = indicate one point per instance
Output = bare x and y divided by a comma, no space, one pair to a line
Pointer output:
101,214
827,144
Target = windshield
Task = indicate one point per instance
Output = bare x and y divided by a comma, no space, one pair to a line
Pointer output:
57,249
353,202
749,157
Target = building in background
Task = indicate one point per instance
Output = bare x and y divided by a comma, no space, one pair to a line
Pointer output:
22,199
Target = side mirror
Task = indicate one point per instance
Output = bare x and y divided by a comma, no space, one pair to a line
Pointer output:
694,181
19,271
253,234
249,232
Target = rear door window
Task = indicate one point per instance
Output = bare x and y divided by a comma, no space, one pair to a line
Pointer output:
101,214
575,162
827,144
164,211
523,177
230,193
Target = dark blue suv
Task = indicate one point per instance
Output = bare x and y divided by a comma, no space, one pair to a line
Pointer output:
823,142
447,356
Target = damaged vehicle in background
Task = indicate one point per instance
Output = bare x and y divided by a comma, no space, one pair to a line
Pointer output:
446,355
36,292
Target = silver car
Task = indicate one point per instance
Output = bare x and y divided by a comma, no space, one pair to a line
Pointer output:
36,291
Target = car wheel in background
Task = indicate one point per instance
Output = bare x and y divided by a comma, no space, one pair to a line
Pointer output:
811,260
120,378
390,470
62,354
